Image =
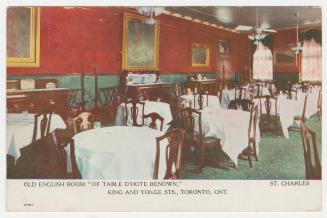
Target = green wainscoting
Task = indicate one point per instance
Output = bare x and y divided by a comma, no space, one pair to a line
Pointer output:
74,82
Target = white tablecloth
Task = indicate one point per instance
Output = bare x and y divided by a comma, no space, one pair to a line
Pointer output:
227,96
20,129
118,152
213,101
162,108
231,127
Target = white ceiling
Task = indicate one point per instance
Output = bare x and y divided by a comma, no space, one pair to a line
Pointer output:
276,17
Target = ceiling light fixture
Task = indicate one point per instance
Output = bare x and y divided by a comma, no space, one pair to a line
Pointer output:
258,33
150,11
297,48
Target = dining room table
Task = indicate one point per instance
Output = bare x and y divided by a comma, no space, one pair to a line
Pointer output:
188,101
161,108
230,126
20,128
119,152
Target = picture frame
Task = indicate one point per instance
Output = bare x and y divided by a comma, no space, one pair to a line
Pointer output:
23,51
284,58
200,55
140,43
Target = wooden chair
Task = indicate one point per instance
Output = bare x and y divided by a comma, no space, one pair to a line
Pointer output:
46,157
306,87
220,96
173,154
75,171
175,92
319,109
201,99
62,138
271,116
240,93
243,104
302,117
312,171
154,117
252,145
258,87
83,121
109,99
75,101
111,96
198,140
134,111
44,125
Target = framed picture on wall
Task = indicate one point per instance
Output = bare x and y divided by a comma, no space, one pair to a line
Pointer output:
23,37
140,43
200,55
284,58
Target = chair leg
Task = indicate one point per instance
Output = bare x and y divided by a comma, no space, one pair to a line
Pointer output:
201,161
255,151
219,153
249,157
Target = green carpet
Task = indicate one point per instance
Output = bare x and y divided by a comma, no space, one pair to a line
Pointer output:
279,158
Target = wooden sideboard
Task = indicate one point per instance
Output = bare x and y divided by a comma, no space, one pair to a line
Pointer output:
209,85
39,100
151,92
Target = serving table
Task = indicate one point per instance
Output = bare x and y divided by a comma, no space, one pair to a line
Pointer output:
209,85
39,100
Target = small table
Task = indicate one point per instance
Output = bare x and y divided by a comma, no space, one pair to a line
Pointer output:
20,129
118,152
162,108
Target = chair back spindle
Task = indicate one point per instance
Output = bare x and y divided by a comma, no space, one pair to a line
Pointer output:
44,125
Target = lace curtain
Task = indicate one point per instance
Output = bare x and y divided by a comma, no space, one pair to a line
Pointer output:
262,63
311,61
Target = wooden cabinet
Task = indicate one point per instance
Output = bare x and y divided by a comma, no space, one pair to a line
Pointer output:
151,92
38,100
209,85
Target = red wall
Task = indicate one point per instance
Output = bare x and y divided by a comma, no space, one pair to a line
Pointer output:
72,40
281,42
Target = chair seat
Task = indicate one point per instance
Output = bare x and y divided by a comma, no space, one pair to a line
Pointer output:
208,140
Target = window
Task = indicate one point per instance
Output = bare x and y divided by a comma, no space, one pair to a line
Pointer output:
262,63
311,61
224,60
